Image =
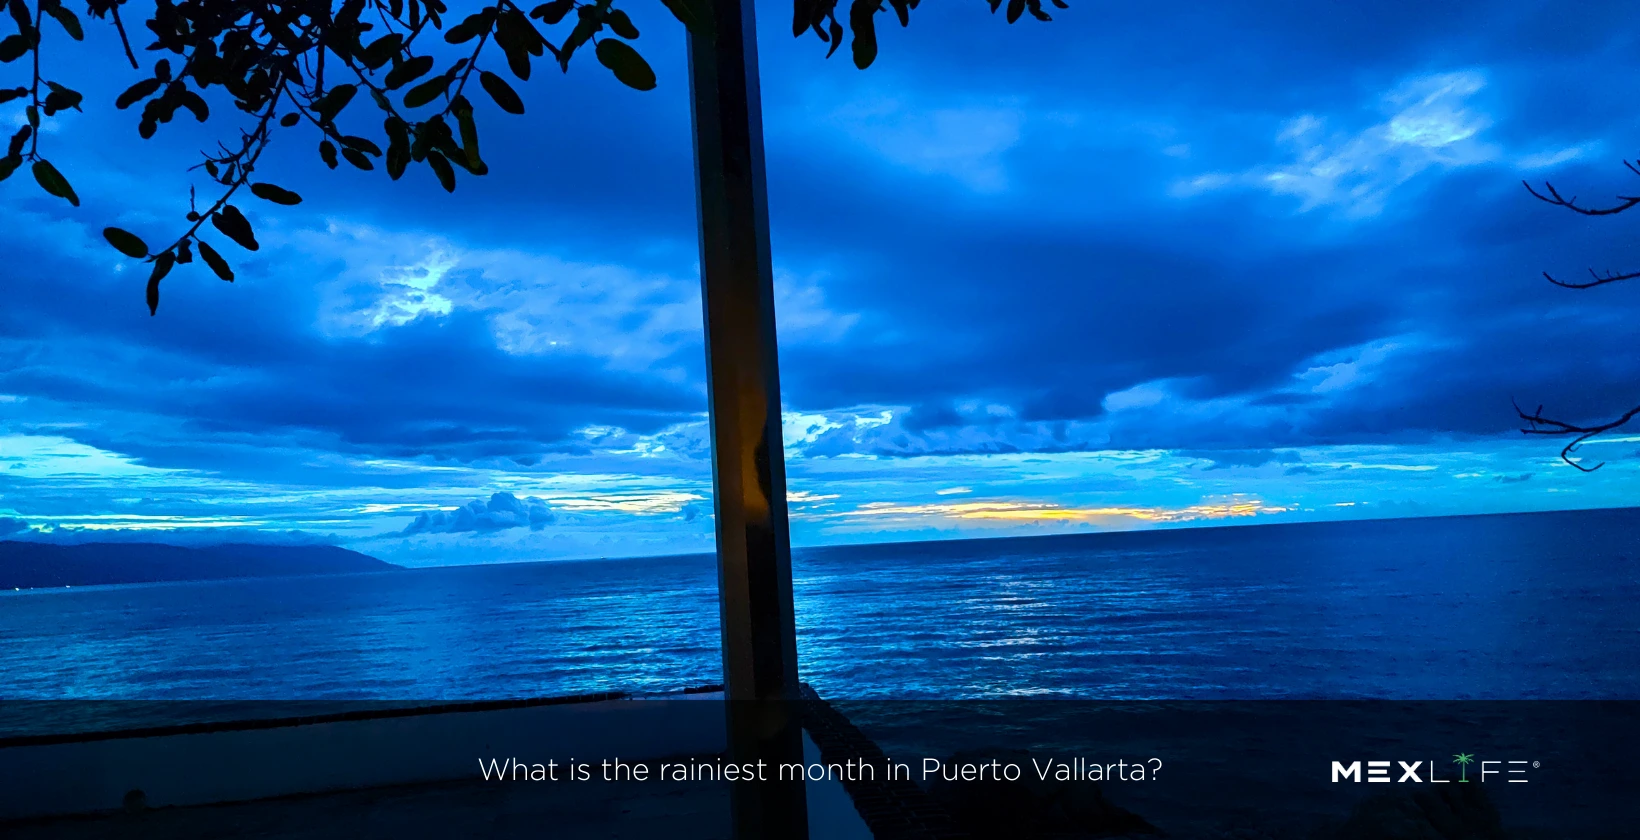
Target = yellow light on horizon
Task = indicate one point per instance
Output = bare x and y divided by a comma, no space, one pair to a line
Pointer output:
1049,512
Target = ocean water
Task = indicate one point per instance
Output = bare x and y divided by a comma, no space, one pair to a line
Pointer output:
1499,607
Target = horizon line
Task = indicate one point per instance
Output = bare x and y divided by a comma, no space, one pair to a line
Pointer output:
1193,525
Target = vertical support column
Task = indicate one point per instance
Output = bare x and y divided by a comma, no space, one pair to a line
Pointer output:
748,461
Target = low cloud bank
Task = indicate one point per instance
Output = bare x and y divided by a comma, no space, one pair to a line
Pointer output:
502,511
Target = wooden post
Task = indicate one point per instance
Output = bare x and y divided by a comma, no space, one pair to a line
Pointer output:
748,461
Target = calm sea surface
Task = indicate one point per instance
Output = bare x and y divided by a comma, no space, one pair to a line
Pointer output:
1523,606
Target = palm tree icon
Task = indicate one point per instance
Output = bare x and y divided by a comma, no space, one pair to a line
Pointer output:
1463,760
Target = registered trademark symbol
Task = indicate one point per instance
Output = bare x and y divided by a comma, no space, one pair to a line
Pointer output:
1535,765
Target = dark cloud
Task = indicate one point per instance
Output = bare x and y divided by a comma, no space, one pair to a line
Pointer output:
1004,320
10,525
236,363
502,511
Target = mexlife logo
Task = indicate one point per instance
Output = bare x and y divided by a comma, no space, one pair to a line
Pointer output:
1429,772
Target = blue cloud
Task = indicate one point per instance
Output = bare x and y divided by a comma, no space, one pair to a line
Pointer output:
1005,256
502,511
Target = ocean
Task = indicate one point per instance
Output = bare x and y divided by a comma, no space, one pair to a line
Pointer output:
1530,606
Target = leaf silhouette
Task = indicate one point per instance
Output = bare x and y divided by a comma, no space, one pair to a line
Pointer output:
19,13
802,16
332,103
398,146
358,159
215,261
621,25
902,8
70,23
408,71
627,65
441,168
519,62
195,105
469,131
862,18
162,267
277,195
685,15
235,226
381,50
363,144
126,242
471,27
426,91
501,92
551,13
12,47
53,182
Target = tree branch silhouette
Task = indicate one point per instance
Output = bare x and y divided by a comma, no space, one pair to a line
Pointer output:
263,52
1540,425
1550,195
1537,423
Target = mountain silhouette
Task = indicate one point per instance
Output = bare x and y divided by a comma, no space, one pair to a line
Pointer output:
31,565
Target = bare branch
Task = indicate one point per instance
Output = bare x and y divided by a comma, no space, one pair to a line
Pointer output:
1554,197
1599,280
124,41
244,161
1537,424
34,90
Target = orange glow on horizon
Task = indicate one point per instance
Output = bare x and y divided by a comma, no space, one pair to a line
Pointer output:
1046,512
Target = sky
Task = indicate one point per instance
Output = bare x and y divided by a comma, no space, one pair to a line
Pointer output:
1148,265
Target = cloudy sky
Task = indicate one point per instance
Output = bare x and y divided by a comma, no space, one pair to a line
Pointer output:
1139,267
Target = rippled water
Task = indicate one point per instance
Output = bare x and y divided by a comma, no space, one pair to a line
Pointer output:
1537,605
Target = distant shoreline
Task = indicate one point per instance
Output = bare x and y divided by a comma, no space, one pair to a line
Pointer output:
36,565
333,560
